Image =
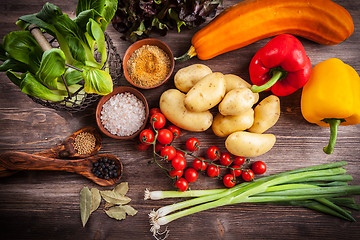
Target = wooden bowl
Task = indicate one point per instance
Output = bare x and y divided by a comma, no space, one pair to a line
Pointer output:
137,45
104,99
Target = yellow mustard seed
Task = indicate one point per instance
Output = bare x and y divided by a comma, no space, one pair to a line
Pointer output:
84,143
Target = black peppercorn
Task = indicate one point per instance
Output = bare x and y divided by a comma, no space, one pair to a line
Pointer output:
105,168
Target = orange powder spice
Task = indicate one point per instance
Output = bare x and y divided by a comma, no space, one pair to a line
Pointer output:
148,66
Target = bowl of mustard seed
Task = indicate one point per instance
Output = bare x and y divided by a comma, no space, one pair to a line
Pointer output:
148,63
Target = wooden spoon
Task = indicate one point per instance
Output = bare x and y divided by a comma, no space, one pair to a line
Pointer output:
65,150
13,160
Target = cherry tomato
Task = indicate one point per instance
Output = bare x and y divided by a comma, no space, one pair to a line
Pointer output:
165,136
199,165
158,120
213,153
158,147
225,159
168,152
154,110
239,160
247,175
180,153
191,175
237,171
179,163
212,171
147,136
182,184
259,167
192,144
142,146
229,180
175,130
176,173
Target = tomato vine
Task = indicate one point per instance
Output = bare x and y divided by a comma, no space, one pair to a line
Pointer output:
172,159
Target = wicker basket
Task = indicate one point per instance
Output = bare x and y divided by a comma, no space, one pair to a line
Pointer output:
71,103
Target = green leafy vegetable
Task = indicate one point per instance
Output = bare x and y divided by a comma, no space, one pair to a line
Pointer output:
52,66
22,47
31,86
138,19
94,30
97,81
73,76
14,77
14,65
105,9
78,39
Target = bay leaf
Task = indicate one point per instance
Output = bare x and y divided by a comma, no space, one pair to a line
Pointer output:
85,205
109,205
122,188
95,199
114,198
130,210
117,212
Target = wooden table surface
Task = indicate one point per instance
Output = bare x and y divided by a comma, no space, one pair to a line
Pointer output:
45,205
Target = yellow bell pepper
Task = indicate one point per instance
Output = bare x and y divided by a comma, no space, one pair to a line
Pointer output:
331,97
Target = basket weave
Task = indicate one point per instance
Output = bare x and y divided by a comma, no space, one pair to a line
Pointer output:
70,104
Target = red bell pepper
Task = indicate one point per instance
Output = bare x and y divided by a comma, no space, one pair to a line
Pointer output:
281,66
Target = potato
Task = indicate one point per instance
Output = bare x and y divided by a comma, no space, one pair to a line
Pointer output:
173,108
267,113
185,78
237,101
206,93
248,144
224,125
234,81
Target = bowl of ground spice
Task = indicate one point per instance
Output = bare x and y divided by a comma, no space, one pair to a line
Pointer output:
123,113
148,63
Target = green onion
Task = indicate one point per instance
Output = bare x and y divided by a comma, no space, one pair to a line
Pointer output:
314,187
317,206
345,202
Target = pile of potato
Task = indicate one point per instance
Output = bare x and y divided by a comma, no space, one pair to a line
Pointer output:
199,89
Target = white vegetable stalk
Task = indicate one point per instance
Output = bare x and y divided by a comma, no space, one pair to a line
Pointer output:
157,195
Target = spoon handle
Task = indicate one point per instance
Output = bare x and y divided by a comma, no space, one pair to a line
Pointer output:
62,150
13,160
59,151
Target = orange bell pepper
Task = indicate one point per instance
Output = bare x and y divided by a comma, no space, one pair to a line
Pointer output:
331,97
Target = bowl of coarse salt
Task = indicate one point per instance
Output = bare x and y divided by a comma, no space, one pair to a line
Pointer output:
123,113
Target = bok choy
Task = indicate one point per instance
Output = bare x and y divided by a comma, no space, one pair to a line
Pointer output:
43,74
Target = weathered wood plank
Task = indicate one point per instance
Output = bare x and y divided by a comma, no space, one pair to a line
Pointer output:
45,205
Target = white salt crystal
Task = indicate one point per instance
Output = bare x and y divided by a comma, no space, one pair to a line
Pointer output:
123,114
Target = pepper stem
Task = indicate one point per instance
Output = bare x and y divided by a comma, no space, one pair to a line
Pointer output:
276,76
189,54
334,124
